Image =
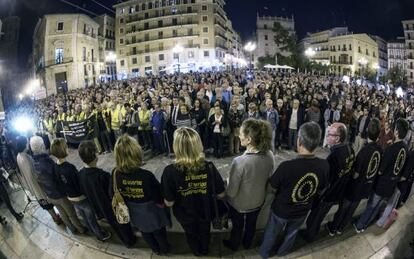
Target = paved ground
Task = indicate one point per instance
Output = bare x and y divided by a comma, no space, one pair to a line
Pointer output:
38,237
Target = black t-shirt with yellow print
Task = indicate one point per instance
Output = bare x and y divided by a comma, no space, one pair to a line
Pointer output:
297,183
191,193
139,186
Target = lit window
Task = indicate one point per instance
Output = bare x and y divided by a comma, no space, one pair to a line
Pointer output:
59,55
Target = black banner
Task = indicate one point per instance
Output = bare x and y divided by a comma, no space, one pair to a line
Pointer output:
77,131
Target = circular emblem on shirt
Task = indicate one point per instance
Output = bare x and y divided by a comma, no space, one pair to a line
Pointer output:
373,164
305,188
399,163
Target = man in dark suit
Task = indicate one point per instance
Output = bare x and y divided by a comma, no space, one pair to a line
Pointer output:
362,133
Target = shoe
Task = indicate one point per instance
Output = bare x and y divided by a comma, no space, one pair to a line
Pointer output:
227,244
330,232
83,231
338,232
107,235
357,230
19,216
3,220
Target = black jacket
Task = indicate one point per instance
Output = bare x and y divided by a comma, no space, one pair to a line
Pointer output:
47,177
301,117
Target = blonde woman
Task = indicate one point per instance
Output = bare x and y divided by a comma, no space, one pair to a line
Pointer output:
187,187
142,194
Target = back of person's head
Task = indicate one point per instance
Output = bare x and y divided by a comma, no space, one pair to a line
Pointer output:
309,135
87,151
374,129
21,144
128,154
188,149
59,148
37,145
259,132
401,127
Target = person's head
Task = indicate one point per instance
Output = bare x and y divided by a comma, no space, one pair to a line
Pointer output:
175,101
127,107
374,129
366,112
128,154
87,152
144,106
200,95
21,144
336,134
269,104
184,109
157,106
234,104
252,107
308,137
295,103
59,148
279,103
401,129
256,134
188,149
217,110
37,145
197,103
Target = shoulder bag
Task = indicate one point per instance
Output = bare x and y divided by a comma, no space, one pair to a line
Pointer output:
119,206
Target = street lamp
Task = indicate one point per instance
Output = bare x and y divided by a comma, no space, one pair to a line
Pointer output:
177,50
110,57
310,53
362,62
250,47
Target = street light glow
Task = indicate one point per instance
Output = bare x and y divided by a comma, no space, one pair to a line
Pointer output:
363,61
178,49
111,57
250,46
310,52
376,66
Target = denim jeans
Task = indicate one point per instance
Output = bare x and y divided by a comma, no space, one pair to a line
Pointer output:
274,227
68,214
391,204
293,136
371,211
84,209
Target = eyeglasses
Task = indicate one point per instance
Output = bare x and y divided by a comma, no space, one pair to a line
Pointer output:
333,135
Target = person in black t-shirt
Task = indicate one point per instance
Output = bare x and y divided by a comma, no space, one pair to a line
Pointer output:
392,163
142,194
407,178
340,162
360,185
297,183
69,177
95,183
188,187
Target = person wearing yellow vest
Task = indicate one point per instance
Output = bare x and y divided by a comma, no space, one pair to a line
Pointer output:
48,127
144,128
61,117
116,119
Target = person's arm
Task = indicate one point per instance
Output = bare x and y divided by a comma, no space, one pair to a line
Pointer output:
235,176
168,189
219,183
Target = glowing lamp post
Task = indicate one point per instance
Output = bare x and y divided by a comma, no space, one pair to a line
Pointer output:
362,62
177,50
250,47
310,53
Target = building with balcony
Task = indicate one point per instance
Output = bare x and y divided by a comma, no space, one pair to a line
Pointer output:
155,37
106,36
382,55
397,55
319,42
265,36
66,52
408,27
346,53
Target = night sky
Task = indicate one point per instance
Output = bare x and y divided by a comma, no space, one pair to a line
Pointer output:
380,17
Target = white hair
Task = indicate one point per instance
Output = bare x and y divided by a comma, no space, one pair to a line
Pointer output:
37,145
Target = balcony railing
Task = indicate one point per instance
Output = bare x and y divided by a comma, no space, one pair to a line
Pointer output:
167,14
54,62
156,38
162,27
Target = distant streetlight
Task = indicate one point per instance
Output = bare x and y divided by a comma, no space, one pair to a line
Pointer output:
110,57
177,50
362,62
310,53
250,47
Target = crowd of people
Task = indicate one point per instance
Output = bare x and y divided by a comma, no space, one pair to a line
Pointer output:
367,130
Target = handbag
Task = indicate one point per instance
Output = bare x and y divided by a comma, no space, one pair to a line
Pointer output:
119,206
220,214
